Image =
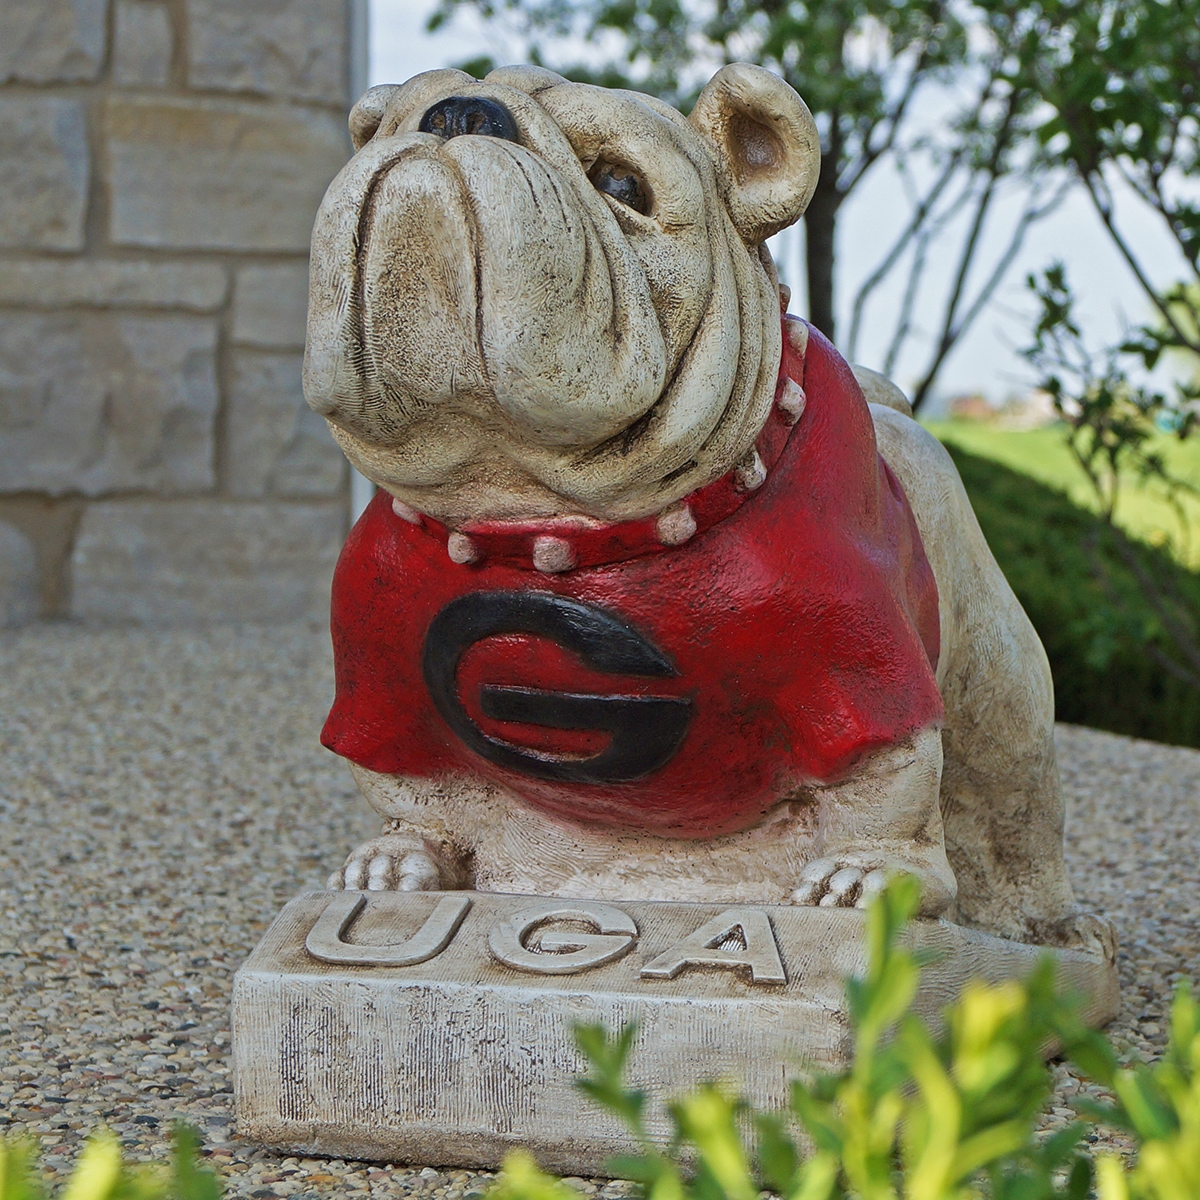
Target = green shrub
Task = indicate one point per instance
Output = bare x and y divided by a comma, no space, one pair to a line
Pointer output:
103,1174
913,1117
1103,639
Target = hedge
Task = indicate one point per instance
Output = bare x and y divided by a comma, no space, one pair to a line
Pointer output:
1084,601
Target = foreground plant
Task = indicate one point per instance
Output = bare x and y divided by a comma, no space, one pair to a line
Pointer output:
1160,1108
103,1174
915,1116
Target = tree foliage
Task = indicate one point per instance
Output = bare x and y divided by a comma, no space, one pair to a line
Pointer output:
1122,78
1029,96
1122,81
1070,570
866,68
1113,423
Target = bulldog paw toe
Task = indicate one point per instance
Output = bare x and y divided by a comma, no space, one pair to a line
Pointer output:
351,878
830,883
873,882
842,888
387,864
417,872
854,879
836,883
812,881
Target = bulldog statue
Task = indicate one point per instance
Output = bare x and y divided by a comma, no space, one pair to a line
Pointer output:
651,602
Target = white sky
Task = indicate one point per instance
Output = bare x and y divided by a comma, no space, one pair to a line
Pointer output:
985,360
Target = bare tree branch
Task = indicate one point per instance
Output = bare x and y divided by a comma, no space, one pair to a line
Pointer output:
904,320
1031,214
992,172
889,260
871,154
1163,206
1151,193
1169,665
1104,208
931,231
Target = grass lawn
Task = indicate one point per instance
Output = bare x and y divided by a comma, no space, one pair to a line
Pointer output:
1042,454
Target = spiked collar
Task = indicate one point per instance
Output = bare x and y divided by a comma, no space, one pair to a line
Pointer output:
560,544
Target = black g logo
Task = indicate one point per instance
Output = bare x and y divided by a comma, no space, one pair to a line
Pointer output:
645,731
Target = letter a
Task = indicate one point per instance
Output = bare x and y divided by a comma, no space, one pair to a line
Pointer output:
761,954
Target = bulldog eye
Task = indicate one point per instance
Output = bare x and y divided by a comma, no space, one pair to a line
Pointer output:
622,185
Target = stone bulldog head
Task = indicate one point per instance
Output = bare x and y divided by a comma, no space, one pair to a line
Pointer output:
532,297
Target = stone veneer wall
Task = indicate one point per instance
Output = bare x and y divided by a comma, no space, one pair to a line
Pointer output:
160,165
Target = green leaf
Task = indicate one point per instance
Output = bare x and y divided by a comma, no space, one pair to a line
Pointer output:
98,1171
1184,1046
1079,1181
818,1119
520,1178
1150,1118
778,1159
189,1181
707,1119
987,1147
608,1057
17,1178
1061,1145
1093,1054
817,1179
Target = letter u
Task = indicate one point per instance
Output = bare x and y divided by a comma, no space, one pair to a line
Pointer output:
326,940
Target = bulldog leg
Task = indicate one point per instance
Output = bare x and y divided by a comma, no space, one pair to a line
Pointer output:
1001,800
886,820
416,851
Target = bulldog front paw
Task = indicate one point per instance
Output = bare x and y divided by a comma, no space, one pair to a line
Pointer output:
853,879
387,864
1078,930
836,883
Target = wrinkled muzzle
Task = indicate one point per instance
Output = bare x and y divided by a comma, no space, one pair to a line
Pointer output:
470,276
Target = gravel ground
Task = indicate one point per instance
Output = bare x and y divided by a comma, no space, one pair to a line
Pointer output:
163,794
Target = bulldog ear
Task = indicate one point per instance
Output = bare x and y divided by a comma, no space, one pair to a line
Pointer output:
767,149
368,112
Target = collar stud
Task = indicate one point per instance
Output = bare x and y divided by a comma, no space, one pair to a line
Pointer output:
461,549
553,555
751,473
791,402
676,525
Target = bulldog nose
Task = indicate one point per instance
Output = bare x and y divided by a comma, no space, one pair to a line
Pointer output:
457,115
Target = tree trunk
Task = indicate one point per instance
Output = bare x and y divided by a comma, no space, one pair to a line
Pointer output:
820,223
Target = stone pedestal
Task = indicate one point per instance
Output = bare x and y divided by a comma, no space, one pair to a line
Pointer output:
436,1027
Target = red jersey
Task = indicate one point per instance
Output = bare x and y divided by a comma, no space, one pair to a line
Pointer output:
677,690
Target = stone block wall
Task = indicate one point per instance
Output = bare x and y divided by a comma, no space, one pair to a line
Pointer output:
160,165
